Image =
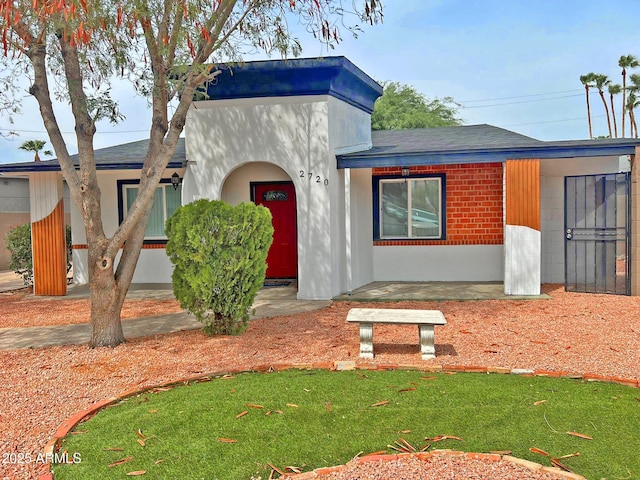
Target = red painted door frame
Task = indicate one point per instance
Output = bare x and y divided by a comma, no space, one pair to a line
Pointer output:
280,199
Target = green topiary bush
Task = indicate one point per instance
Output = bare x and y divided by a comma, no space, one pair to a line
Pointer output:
18,242
219,253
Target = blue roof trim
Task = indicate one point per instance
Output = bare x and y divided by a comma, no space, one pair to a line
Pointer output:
55,167
545,151
334,76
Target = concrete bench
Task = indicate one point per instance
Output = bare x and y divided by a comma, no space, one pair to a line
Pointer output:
425,319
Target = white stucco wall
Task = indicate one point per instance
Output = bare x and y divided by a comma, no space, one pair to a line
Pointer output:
522,246
552,173
360,239
446,263
236,187
298,134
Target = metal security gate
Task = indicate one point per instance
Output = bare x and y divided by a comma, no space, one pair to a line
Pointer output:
597,222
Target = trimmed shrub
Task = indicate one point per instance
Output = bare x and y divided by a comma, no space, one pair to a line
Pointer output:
219,253
18,241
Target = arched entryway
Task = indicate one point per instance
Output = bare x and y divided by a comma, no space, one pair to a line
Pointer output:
269,185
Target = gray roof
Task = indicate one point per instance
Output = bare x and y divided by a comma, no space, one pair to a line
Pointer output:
473,144
128,156
463,137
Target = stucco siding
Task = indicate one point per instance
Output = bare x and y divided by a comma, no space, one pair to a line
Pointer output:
227,136
361,227
445,263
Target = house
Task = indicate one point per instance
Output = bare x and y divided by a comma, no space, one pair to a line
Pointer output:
14,210
351,206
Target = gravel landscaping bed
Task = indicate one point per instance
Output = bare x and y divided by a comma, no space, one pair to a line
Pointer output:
575,333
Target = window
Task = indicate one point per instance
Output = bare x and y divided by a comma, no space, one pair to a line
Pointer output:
165,201
409,207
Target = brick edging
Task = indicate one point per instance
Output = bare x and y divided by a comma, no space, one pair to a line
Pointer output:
66,426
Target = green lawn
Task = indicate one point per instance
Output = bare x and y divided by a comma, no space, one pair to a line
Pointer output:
311,419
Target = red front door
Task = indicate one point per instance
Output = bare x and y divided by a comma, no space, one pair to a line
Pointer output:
280,199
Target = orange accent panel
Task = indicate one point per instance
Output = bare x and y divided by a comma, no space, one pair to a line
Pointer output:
49,254
522,189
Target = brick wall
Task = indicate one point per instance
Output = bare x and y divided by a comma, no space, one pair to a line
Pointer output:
474,198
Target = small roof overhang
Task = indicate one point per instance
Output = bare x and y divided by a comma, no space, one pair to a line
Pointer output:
129,156
333,76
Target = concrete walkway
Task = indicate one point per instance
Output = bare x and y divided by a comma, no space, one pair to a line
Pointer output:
432,291
10,281
269,302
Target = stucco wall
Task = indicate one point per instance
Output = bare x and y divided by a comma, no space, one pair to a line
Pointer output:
298,134
359,246
552,173
443,263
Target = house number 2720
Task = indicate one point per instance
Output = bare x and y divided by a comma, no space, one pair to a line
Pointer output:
314,178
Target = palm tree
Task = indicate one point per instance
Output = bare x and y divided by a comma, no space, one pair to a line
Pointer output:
586,81
35,146
614,89
626,61
602,81
632,102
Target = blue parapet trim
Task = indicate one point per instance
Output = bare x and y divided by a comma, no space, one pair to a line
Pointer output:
371,159
27,167
334,76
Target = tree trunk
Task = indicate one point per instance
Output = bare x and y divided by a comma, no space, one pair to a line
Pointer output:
107,298
624,98
613,115
606,109
105,312
586,88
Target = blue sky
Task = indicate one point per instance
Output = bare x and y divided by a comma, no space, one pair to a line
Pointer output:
514,64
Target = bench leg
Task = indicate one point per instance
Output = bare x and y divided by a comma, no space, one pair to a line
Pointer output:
366,340
427,344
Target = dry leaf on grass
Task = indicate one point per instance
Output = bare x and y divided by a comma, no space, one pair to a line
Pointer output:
379,404
276,469
137,473
557,463
538,451
439,438
121,461
580,435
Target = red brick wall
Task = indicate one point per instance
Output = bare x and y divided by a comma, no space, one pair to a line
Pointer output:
473,203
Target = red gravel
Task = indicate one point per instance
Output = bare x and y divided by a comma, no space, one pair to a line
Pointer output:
575,333
439,468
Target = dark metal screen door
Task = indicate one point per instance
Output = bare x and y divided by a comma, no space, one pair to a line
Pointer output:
597,222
